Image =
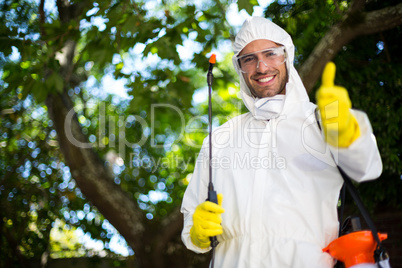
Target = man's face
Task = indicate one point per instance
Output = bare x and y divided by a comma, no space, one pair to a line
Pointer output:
265,81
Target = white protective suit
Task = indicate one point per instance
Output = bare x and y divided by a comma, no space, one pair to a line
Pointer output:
278,177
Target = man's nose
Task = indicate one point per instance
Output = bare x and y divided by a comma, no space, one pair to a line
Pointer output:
261,66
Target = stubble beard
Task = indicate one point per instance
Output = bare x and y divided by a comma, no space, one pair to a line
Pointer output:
281,89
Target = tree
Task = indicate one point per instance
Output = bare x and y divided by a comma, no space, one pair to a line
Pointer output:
61,50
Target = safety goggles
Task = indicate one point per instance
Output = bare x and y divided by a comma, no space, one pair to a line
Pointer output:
271,57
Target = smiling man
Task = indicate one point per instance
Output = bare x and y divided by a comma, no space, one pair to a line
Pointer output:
262,64
271,215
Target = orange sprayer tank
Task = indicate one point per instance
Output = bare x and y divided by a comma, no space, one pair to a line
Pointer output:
354,248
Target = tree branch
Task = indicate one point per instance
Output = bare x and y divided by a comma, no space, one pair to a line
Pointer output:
42,17
338,10
171,227
62,8
342,33
385,47
380,20
14,245
323,52
356,5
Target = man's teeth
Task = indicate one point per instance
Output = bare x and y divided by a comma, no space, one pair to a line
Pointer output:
265,79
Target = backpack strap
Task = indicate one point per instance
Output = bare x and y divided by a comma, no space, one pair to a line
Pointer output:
380,252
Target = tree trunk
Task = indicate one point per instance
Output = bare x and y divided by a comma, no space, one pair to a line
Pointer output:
91,175
88,170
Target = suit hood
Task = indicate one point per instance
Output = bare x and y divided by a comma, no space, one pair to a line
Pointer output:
255,28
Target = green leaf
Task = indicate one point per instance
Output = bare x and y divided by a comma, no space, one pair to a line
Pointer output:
247,5
54,83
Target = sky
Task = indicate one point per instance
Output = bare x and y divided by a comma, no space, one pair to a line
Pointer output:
234,17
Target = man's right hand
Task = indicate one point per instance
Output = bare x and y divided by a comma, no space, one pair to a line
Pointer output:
206,222
340,126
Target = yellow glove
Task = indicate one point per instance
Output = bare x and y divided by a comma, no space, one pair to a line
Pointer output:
206,222
340,126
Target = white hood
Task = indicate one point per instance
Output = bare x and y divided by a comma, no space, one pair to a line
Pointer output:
255,28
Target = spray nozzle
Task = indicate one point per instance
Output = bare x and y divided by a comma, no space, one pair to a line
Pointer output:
212,59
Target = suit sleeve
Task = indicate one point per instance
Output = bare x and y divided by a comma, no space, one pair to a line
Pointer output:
195,194
361,160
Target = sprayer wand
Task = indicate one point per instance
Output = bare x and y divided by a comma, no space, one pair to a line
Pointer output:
211,193
212,197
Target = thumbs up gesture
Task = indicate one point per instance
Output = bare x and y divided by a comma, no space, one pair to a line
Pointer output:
340,126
